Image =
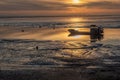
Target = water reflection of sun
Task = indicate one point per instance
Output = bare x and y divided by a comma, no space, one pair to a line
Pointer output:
76,19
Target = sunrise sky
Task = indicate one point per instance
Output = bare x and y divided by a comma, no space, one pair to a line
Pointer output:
59,7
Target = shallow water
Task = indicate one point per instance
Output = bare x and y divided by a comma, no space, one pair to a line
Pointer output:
43,34
82,21
54,34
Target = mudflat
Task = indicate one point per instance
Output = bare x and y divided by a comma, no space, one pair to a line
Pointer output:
51,54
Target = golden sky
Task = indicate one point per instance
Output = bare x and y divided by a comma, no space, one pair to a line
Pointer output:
59,7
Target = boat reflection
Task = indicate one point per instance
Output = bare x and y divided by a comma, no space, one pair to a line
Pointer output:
95,38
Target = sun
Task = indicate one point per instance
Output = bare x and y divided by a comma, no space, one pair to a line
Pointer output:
76,1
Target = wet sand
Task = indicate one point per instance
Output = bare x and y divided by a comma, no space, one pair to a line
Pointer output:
58,58
51,33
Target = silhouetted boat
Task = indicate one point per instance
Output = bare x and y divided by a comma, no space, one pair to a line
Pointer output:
76,32
94,30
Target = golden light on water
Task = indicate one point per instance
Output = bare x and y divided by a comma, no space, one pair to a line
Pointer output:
77,36
37,34
76,19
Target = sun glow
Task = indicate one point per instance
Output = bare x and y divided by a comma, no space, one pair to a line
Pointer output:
76,1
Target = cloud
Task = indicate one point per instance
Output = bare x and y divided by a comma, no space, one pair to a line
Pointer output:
31,5
8,5
101,5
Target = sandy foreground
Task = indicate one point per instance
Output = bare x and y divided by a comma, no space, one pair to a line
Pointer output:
29,55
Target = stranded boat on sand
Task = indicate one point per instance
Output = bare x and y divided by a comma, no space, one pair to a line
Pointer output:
94,30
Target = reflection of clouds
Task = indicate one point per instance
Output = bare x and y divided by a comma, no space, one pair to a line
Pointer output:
40,34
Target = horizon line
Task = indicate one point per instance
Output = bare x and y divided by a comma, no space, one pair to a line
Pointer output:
31,16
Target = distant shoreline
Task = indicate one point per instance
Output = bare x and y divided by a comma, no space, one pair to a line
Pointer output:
58,16
59,27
